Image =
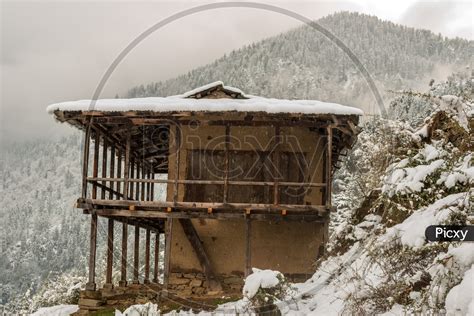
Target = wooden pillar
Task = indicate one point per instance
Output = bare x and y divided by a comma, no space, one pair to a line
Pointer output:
136,259
112,171
166,272
226,163
85,161
152,193
142,196
156,258
91,286
276,164
137,190
110,254
132,176
126,167
95,166
119,173
123,270
148,185
104,167
248,246
177,141
328,167
146,280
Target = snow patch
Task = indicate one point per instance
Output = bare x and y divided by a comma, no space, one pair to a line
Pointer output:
58,310
260,279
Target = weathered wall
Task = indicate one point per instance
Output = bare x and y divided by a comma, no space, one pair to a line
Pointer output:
290,247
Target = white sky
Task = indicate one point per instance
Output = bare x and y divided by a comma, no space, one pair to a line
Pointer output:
56,51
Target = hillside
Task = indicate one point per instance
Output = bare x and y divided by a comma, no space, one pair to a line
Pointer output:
304,64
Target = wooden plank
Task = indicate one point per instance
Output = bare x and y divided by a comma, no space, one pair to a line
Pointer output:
119,174
142,190
91,285
156,258
198,247
136,258
177,140
123,268
276,164
146,280
168,238
85,161
110,253
132,177
226,163
137,184
152,196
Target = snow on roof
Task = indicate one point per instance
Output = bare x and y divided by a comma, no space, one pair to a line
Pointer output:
182,102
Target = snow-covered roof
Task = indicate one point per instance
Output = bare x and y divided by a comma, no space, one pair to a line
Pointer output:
188,102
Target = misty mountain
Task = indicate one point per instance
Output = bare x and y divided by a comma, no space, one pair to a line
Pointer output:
302,63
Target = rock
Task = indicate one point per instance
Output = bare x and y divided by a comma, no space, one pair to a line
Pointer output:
233,280
90,302
199,290
195,283
177,281
189,275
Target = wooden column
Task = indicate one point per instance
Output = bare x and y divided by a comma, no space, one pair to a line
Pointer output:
95,166
85,161
177,141
126,167
146,280
112,171
110,254
132,176
328,167
226,163
276,164
136,259
156,258
168,236
248,246
123,270
119,173
91,286
148,185
143,195
152,194
137,190
104,168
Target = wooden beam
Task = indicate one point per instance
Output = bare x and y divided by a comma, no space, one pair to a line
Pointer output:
85,161
91,285
168,237
123,269
142,191
104,167
177,140
156,258
137,184
198,247
328,167
112,171
226,163
110,254
146,280
119,173
136,258
126,167
132,176
276,164
95,166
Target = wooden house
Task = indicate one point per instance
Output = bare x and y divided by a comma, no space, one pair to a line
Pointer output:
248,184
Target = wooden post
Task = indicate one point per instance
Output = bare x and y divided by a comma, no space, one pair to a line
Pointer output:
95,166
276,163
123,270
147,258
112,171
85,161
119,173
110,254
126,167
248,246
137,191
328,166
226,163
136,259
104,168
152,195
132,176
168,236
156,258
142,196
91,286
177,140
148,185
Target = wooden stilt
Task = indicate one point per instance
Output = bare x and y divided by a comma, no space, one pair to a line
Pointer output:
110,254
177,140
328,167
132,176
91,286
123,270
119,174
152,197
95,166
126,167
137,188
248,246
276,163
136,259
156,258
112,171
226,164
146,280
104,168
168,237
85,161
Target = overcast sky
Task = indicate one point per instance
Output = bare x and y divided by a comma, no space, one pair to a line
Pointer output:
57,51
